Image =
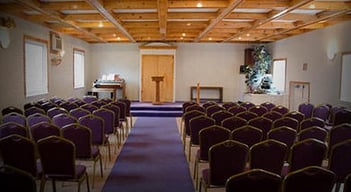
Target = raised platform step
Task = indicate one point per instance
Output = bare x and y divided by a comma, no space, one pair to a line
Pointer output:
148,110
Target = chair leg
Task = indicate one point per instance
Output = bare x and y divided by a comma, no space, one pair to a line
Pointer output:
100,159
337,187
42,184
53,185
189,151
87,178
200,185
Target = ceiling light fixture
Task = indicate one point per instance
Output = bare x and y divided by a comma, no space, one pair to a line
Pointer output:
183,34
210,38
199,4
101,24
118,38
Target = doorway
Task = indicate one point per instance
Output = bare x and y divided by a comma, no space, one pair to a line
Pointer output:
299,93
157,65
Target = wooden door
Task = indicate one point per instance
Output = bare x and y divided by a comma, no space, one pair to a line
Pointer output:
157,65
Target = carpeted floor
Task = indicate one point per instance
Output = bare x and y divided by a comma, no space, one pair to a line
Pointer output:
151,160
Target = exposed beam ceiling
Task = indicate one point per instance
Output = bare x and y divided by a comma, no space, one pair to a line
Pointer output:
105,21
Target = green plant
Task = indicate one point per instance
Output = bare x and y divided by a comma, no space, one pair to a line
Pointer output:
255,73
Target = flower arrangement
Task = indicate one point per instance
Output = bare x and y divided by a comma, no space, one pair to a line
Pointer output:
256,73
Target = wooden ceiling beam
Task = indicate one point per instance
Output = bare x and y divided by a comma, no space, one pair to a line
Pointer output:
193,4
130,4
105,13
232,5
35,7
58,6
91,17
162,9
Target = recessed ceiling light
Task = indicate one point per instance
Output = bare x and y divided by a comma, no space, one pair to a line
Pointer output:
199,4
210,38
114,35
181,38
312,6
248,35
183,34
101,24
118,38
188,24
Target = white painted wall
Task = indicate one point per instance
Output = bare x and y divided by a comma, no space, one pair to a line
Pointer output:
311,48
12,66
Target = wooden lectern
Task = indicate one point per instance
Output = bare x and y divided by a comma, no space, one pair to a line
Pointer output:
157,80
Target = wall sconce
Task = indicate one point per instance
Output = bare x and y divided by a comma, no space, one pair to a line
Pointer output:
332,50
56,58
5,25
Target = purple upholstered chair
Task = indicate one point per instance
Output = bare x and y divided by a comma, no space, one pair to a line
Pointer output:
262,123
322,112
187,104
89,98
122,114
96,125
236,109
57,156
79,112
272,115
341,116
310,122
55,111
33,110
286,121
195,107
338,134
90,107
225,159
269,155
255,180
220,116
20,152
207,138
11,109
68,105
127,102
228,105
209,104
312,178
98,103
44,129
296,115
15,118
247,134
37,118
280,109
247,105
109,122
247,115
309,152
268,105
233,123
313,132
306,109
118,126
283,134
82,139
63,119
10,177
213,109
187,117
47,106
258,110
10,128
196,124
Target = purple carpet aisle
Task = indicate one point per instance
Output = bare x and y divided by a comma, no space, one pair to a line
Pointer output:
152,160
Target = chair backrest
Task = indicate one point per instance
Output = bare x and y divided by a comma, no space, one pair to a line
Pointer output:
236,109
89,98
81,137
296,115
286,121
268,105
122,110
37,118
46,106
347,183
109,119
262,123
312,178
313,132
209,104
32,110
248,135
213,109
272,115
55,111
247,105
57,156
210,136
280,109
63,119
322,112
198,123
226,159
341,116
187,104
259,110
268,155
283,134
247,115
96,125
306,109
15,118
128,103
339,159
310,122
44,129
195,107
10,128
19,152
115,110
98,103
187,117
338,134
90,107
306,153
220,116
68,105
255,180
233,123
11,109
79,112
13,179
79,102
228,105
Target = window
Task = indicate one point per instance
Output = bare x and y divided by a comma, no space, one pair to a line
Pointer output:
35,66
78,63
345,90
278,74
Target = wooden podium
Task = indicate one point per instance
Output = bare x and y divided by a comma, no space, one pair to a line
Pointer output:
157,80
